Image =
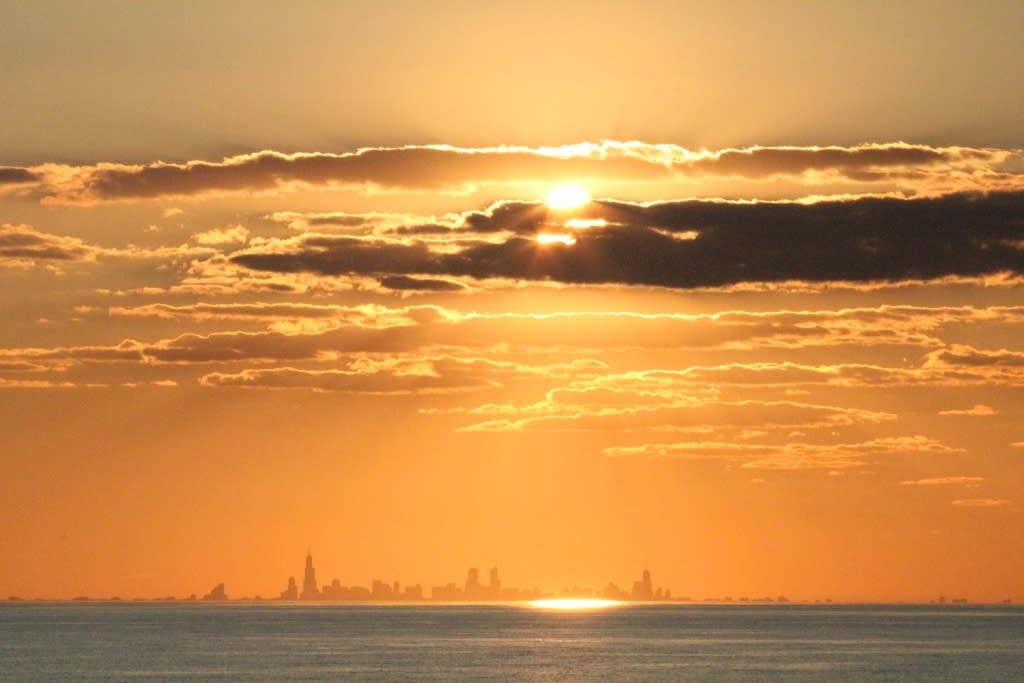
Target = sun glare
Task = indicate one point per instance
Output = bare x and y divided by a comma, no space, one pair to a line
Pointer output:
556,238
574,603
567,197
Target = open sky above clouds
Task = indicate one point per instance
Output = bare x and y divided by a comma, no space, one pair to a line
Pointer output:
285,278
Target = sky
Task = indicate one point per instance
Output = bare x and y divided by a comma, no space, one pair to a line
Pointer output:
732,293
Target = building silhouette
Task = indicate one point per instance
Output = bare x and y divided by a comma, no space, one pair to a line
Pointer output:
643,589
494,585
309,587
473,589
216,593
292,591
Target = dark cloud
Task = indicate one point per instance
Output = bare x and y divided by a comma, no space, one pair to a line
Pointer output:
962,355
699,243
443,166
868,162
404,282
13,175
23,244
399,167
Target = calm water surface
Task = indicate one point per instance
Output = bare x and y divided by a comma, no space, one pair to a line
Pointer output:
257,642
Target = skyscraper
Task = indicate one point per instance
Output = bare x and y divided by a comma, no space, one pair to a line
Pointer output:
309,587
473,588
292,591
494,587
644,588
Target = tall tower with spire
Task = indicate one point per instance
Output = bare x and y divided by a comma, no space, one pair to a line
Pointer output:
309,587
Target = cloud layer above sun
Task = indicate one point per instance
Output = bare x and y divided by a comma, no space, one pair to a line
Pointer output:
915,168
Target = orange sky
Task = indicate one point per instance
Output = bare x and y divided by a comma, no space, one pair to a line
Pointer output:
285,281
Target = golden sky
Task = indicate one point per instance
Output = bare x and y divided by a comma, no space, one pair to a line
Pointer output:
278,278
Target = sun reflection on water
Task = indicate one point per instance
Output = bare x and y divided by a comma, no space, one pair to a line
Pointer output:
574,603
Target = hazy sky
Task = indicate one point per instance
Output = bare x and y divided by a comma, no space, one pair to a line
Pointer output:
286,277
126,81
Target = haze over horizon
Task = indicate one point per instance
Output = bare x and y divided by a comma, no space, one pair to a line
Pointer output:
732,293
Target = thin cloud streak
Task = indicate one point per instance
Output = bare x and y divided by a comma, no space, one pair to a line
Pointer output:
978,410
790,456
944,481
981,502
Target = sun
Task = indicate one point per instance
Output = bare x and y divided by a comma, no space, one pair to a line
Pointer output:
567,197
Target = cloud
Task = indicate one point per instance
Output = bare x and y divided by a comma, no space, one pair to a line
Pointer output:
978,410
728,330
863,162
448,167
862,240
24,246
559,415
735,330
944,481
367,315
427,167
790,456
981,502
420,375
968,356
340,221
232,234
128,350
35,384
20,366
345,381
789,375
419,284
1017,444
12,175
301,331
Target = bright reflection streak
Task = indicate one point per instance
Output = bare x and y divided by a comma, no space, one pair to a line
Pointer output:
574,603
556,238
584,223
684,236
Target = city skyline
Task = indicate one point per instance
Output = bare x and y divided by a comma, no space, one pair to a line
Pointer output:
473,591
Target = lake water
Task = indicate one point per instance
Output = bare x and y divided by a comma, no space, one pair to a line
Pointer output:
288,642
